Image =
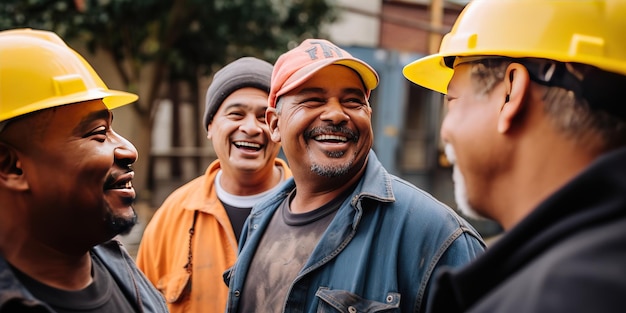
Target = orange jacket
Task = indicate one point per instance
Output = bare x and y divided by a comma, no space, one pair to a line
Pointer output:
164,248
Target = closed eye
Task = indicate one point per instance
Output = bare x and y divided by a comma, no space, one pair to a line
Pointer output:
313,101
358,100
354,102
236,115
449,101
100,133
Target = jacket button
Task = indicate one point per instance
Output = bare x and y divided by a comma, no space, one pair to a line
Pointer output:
351,309
237,293
389,298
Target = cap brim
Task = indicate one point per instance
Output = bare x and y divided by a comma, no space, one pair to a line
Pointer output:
367,73
429,72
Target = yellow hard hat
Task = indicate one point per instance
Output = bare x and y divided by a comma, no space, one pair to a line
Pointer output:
582,31
38,70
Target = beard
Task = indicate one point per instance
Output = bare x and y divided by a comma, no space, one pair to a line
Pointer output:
120,225
460,189
327,170
331,171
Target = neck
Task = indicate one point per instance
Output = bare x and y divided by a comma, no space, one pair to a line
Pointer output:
539,167
251,183
314,193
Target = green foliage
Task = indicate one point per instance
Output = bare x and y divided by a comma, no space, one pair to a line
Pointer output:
178,39
187,37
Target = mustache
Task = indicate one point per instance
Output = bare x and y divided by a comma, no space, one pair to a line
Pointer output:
113,177
332,129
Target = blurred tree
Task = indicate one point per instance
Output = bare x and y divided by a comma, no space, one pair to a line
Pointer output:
179,40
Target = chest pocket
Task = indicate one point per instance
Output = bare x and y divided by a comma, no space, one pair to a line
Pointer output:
333,301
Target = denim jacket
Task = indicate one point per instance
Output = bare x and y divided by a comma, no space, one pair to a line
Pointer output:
378,254
14,297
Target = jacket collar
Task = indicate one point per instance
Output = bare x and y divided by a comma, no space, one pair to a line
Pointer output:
376,181
205,198
375,184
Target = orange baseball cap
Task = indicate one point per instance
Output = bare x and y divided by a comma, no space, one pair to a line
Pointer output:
297,65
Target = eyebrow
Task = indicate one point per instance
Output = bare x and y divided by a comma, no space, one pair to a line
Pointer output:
241,105
322,90
358,91
93,116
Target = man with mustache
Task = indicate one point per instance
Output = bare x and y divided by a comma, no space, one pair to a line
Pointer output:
65,185
536,127
343,234
192,238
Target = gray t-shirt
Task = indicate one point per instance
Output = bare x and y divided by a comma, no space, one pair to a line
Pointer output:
281,254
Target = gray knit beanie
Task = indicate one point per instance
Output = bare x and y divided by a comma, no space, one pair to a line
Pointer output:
241,73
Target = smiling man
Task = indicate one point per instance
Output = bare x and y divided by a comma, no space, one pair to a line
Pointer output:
192,238
536,127
343,234
65,185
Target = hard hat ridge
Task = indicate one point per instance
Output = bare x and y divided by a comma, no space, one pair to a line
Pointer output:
39,71
586,32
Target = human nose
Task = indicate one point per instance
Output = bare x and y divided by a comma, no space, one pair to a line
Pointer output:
444,129
334,112
125,152
251,125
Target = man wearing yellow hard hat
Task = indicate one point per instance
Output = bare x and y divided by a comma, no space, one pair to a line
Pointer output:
65,185
536,130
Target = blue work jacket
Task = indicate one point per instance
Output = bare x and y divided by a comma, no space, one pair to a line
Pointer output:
379,252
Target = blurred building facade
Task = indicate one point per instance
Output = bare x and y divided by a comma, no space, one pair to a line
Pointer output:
388,34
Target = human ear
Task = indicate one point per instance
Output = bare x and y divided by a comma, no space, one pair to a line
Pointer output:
516,83
11,173
271,116
208,133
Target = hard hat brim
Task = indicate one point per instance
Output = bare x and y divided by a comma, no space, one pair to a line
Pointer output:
430,72
116,98
111,99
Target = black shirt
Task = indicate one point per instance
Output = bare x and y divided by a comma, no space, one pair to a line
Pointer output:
102,295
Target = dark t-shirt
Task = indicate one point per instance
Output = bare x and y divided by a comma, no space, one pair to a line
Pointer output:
284,249
237,217
102,295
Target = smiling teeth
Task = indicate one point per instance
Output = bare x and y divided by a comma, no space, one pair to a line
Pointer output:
126,185
247,144
331,137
